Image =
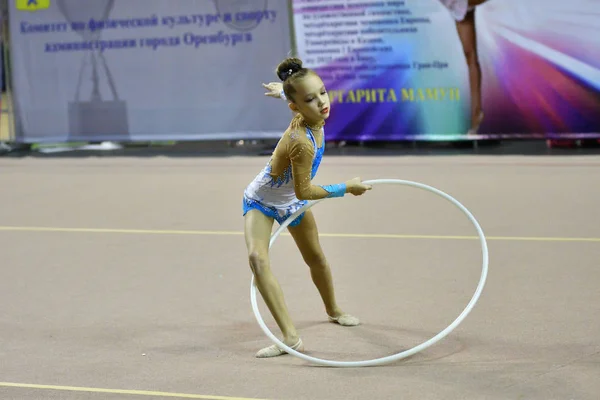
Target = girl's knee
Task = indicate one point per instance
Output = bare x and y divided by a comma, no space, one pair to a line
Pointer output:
316,261
259,262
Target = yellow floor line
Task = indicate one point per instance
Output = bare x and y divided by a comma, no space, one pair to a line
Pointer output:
120,391
337,235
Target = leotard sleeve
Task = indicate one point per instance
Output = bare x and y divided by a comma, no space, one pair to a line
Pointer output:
301,157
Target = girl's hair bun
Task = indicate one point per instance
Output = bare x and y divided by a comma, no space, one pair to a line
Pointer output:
288,67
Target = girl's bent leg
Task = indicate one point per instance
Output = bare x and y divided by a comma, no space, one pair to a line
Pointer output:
258,232
306,236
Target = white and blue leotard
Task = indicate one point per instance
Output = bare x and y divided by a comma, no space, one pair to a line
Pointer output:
284,184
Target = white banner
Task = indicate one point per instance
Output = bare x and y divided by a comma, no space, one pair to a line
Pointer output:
146,69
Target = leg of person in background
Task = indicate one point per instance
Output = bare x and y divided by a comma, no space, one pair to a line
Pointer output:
466,29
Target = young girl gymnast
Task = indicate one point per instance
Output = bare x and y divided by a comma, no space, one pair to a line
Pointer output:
283,187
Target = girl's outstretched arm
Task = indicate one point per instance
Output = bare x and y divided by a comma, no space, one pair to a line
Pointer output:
301,156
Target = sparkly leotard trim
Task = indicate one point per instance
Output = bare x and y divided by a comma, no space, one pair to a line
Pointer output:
288,176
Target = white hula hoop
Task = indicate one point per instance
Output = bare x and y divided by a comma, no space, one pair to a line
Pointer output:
406,353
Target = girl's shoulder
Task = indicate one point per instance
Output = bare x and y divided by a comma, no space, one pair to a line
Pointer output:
297,139
296,136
